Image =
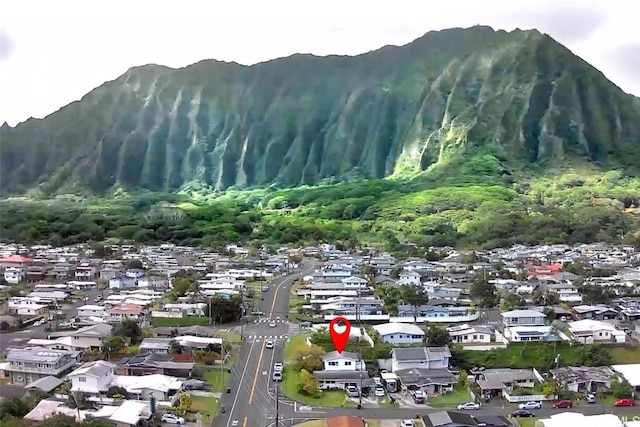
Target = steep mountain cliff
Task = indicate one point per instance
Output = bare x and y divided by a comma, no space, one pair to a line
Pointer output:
520,96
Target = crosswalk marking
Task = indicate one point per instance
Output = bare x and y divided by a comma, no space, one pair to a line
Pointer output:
264,320
278,338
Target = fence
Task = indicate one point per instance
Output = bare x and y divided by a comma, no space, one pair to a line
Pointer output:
527,398
168,314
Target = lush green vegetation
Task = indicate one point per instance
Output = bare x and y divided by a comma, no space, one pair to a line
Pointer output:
572,208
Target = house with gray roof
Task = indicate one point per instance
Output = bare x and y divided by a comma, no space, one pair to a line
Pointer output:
420,357
28,364
92,377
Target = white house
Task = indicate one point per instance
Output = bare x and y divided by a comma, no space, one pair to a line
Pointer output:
410,278
92,377
566,292
590,331
523,318
400,333
122,282
355,282
26,306
420,357
345,361
91,311
465,334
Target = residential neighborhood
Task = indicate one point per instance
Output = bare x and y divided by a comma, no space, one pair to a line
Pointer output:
134,333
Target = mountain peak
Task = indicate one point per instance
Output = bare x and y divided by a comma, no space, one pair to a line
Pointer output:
518,96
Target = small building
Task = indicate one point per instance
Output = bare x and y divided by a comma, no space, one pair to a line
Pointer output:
400,333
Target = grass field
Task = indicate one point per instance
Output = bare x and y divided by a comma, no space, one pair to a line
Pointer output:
450,400
207,405
291,347
334,399
167,322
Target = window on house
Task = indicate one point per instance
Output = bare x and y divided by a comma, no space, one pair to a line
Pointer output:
333,363
82,379
475,337
347,363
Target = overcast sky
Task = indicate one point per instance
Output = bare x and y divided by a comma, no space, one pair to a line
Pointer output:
53,52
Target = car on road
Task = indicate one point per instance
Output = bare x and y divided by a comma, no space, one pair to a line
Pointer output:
269,343
407,423
379,391
521,413
272,324
564,404
625,402
530,405
265,288
278,367
172,419
277,376
469,406
234,423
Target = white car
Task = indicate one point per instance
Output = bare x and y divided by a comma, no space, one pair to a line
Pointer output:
530,405
379,392
272,324
469,406
407,423
172,419
277,367
269,343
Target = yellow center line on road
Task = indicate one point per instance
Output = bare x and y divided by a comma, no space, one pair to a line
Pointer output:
244,424
255,378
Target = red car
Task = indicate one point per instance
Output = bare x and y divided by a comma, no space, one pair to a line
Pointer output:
563,404
625,402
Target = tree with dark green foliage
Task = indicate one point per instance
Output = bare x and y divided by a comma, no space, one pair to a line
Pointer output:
415,296
437,336
13,407
128,329
225,310
484,292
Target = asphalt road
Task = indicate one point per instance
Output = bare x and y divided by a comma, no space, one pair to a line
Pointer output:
251,402
38,331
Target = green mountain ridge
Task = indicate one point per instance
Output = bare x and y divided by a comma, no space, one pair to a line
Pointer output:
518,97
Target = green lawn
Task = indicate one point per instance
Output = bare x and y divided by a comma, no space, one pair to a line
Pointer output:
526,422
335,399
624,355
217,379
450,400
168,322
205,405
293,344
230,337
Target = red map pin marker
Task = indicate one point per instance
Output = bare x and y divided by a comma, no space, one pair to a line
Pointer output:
339,329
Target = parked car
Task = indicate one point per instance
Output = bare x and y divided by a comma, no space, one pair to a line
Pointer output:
521,413
625,402
277,367
407,423
269,343
563,404
172,419
277,376
265,288
352,391
530,405
379,391
471,406
590,398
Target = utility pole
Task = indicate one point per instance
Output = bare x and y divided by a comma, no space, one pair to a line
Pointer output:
277,406
360,391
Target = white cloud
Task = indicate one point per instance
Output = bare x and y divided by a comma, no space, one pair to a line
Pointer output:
63,49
